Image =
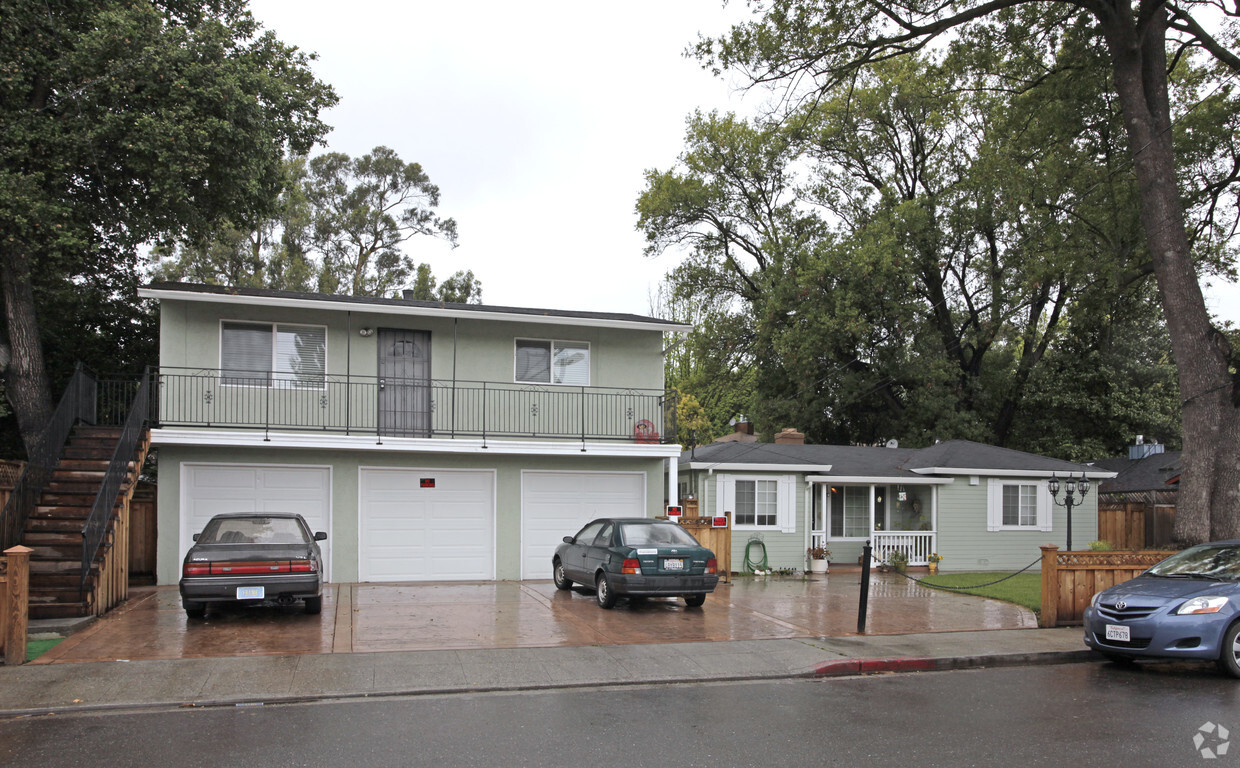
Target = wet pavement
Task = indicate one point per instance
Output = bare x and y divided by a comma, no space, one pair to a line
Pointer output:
367,618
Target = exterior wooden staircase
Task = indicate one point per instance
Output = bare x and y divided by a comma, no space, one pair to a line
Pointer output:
54,529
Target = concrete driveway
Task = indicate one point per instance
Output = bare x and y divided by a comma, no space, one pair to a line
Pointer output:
363,618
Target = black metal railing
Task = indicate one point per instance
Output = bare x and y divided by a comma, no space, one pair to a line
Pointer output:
389,407
133,428
78,404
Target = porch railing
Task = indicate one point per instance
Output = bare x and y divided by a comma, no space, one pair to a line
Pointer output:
917,545
77,404
359,405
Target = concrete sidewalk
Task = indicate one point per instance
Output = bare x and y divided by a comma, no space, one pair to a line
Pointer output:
271,679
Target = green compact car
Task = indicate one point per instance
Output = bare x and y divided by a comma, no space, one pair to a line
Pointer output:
636,557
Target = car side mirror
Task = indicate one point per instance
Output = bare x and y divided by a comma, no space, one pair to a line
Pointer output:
320,535
568,540
196,535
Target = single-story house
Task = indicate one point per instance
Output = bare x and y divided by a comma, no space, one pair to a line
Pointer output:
431,441
977,506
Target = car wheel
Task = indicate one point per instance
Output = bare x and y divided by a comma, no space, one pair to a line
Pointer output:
314,604
602,592
194,609
557,575
695,601
1229,656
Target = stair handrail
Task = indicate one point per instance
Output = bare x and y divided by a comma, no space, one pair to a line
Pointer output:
96,526
76,404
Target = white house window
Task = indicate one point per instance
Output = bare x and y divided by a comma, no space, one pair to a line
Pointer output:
258,354
757,502
1016,505
541,361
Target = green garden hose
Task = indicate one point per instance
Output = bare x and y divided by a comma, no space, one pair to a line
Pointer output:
755,566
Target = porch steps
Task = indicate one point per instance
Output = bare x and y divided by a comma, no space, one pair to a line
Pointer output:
54,529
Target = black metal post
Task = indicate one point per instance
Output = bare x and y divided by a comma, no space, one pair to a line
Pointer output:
867,554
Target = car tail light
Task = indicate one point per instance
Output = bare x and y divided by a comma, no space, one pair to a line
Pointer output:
712,565
631,566
195,569
302,566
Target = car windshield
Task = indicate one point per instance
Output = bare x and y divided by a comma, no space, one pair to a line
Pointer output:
253,530
1207,561
655,535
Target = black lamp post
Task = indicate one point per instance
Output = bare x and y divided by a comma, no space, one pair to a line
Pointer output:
1070,487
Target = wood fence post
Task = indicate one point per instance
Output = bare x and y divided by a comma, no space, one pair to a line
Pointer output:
18,605
1050,586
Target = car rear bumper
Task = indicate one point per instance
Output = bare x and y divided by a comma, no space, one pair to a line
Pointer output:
1197,636
630,584
209,589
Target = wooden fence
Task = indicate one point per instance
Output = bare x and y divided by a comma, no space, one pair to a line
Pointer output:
142,534
1071,579
14,604
1137,520
717,540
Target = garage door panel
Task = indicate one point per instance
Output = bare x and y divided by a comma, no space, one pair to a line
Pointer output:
217,489
439,533
558,504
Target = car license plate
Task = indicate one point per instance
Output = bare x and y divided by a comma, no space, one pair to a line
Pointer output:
250,593
1120,633
674,564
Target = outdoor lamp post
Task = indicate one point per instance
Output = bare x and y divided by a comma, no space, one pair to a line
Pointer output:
1070,487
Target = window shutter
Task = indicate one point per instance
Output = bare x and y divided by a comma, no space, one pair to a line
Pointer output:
725,496
994,504
1045,508
787,504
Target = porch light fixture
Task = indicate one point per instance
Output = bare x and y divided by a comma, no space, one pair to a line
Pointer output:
365,332
1070,487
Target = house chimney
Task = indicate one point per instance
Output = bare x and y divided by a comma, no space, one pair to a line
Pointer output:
789,436
743,428
407,294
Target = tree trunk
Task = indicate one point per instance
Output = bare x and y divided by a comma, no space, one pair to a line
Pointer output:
1209,497
25,379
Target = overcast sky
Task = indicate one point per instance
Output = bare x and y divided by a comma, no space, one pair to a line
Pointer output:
536,120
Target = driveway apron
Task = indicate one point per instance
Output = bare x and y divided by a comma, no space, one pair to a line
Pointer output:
369,617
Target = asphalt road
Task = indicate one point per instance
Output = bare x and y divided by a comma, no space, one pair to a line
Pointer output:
1080,714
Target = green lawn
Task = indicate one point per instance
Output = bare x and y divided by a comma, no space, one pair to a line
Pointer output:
1023,589
36,648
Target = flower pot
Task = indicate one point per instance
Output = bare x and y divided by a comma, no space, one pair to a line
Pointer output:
818,566
934,567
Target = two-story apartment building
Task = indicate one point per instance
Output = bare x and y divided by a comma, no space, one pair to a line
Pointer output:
431,441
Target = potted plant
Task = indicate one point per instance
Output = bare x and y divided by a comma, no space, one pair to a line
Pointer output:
898,560
818,557
934,558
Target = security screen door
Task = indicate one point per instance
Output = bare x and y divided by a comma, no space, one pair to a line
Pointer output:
404,382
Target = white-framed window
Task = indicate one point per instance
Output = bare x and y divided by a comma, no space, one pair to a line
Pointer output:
547,361
1018,505
758,502
263,354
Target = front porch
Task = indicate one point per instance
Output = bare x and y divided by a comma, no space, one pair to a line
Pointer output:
893,517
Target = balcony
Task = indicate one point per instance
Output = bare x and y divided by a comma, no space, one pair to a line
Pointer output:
418,408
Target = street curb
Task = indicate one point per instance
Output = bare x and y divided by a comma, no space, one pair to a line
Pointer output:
841,668
845,667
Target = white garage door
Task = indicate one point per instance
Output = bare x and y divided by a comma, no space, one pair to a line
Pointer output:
557,504
214,489
426,525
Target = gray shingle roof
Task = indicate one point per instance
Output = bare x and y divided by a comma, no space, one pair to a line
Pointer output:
864,461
